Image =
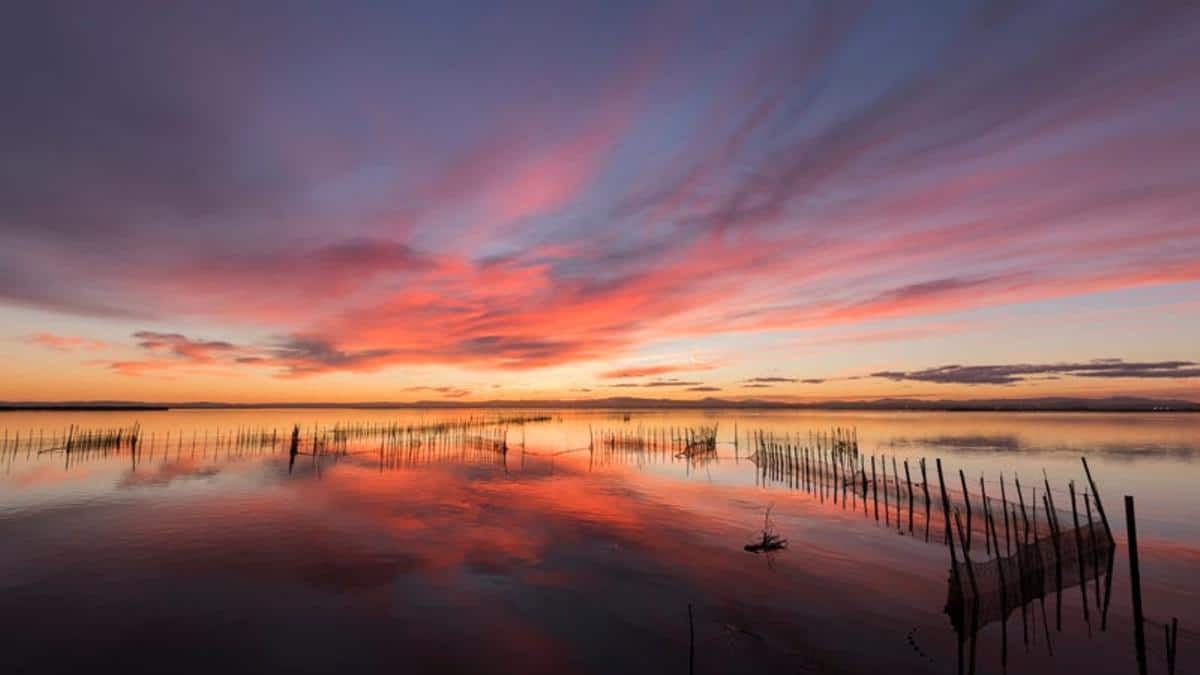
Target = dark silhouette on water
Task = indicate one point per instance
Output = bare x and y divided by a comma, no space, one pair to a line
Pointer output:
294,449
769,541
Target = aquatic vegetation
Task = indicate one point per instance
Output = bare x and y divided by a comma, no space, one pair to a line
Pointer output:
679,441
341,438
770,540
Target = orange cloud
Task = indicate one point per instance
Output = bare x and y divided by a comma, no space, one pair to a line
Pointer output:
644,371
65,343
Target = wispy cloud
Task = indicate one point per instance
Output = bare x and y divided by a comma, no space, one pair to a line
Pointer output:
169,354
668,382
195,351
446,391
65,343
985,166
1014,373
309,355
657,369
771,380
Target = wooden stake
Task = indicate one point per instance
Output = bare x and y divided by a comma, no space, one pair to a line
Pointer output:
1135,586
987,514
966,498
991,525
925,488
1172,642
896,477
1053,524
945,504
691,642
874,487
1079,554
908,480
1096,497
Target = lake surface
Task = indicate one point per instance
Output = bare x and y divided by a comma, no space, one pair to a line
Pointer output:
206,550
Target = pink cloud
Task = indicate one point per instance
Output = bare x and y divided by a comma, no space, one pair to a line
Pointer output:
540,234
659,369
65,343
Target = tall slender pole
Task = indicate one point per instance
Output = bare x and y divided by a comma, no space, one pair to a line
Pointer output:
1135,585
1079,557
908,480
949,538
1172,641
967,499
691,642
1096,498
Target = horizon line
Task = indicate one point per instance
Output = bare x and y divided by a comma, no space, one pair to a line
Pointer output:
1042,403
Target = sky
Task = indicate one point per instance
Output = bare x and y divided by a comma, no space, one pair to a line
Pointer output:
364,201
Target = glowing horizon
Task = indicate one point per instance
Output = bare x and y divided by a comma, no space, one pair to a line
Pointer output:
458,203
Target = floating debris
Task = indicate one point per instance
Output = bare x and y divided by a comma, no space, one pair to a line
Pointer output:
770,541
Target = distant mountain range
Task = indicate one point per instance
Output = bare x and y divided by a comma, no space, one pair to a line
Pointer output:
1063,404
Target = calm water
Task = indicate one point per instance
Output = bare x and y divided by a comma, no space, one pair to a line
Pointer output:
195,556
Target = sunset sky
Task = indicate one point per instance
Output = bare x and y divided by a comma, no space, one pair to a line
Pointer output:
365,201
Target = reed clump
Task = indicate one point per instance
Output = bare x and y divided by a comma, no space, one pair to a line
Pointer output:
75,439
769,540
679,442
489,434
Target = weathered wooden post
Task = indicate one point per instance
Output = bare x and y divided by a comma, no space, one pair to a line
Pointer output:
1096,497
966,498
887,514
987,514
945,502
691,642
908,480
1135,586
991,525
1024,513
862,467
925,489
966,558
1054,538
1079,554
874,487
896,478
1004,505
1087,503
1172,642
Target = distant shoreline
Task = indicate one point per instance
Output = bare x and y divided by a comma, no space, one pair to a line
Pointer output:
83,408
1108,405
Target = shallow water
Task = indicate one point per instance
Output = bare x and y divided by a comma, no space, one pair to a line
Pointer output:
198,555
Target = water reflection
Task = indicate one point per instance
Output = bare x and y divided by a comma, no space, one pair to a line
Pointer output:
1023,580
453,556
